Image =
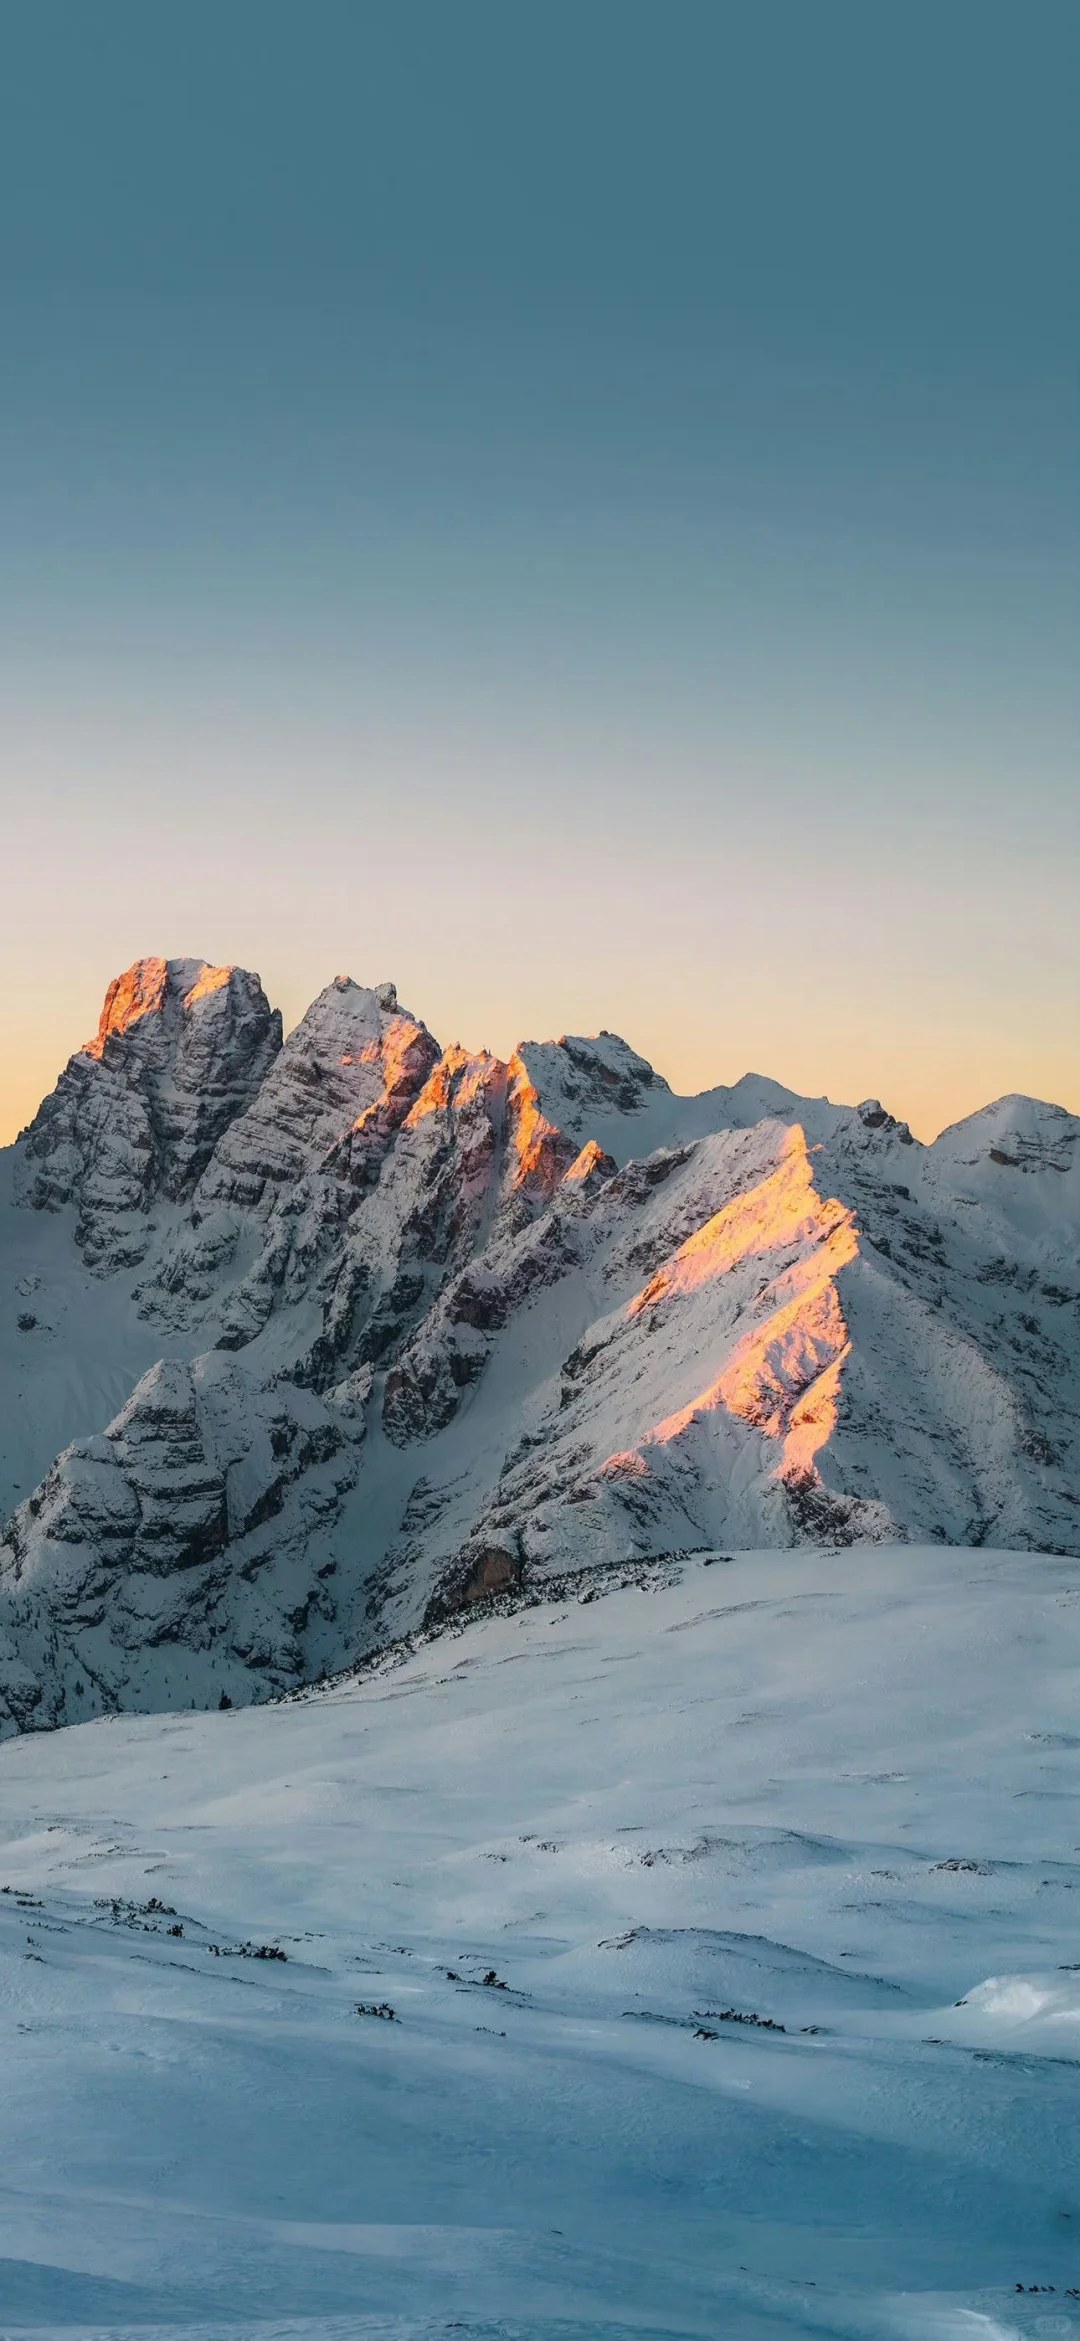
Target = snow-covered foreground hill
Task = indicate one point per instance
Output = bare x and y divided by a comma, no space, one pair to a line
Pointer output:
730,1928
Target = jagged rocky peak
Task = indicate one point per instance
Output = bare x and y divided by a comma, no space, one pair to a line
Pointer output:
181,1049
557,1089
342,1085
577,1078
453,1129
288,1173
460,1078
541,1103
361,1099
874,1116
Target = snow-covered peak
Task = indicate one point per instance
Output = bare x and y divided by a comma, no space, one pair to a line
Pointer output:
1016,1133
181,1049
459,1079
563,1092
346,1077
576,1078
138,993
1019,1161
152,1008
345,1016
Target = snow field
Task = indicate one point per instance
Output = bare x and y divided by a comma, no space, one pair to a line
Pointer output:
673,1895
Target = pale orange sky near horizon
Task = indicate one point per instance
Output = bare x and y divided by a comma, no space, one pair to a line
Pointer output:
929,1089
749,939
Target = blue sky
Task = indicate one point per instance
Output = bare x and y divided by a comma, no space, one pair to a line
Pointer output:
574,509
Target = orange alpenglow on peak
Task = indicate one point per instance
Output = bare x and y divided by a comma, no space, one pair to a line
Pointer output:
784,1208
404,1045
591,1158
783,1376
457,1080
139,992
539,1146
212,979
142,990
403,1053
627,1464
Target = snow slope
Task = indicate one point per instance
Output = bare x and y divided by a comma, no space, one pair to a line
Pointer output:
306,1343
729,1924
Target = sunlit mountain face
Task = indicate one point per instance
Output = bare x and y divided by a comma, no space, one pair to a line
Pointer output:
311,1343
782,1375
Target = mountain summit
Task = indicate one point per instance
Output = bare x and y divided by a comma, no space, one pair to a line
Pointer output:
311,1343
181,1049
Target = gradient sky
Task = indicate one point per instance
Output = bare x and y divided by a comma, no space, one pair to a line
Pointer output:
570,507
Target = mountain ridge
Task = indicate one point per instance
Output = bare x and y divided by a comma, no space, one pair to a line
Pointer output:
335,1332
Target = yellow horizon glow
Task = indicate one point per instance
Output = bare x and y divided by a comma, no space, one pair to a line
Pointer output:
929,1083
722,916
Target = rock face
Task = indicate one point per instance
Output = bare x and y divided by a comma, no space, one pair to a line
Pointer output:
439,1326
172,1549
182,1048
288,1171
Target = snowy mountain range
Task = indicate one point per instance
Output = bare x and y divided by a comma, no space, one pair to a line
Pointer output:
309,1344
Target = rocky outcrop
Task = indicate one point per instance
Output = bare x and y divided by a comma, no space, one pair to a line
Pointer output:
181,1050
193,1531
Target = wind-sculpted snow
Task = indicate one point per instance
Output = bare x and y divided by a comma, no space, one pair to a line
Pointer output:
581,1323
698,1961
